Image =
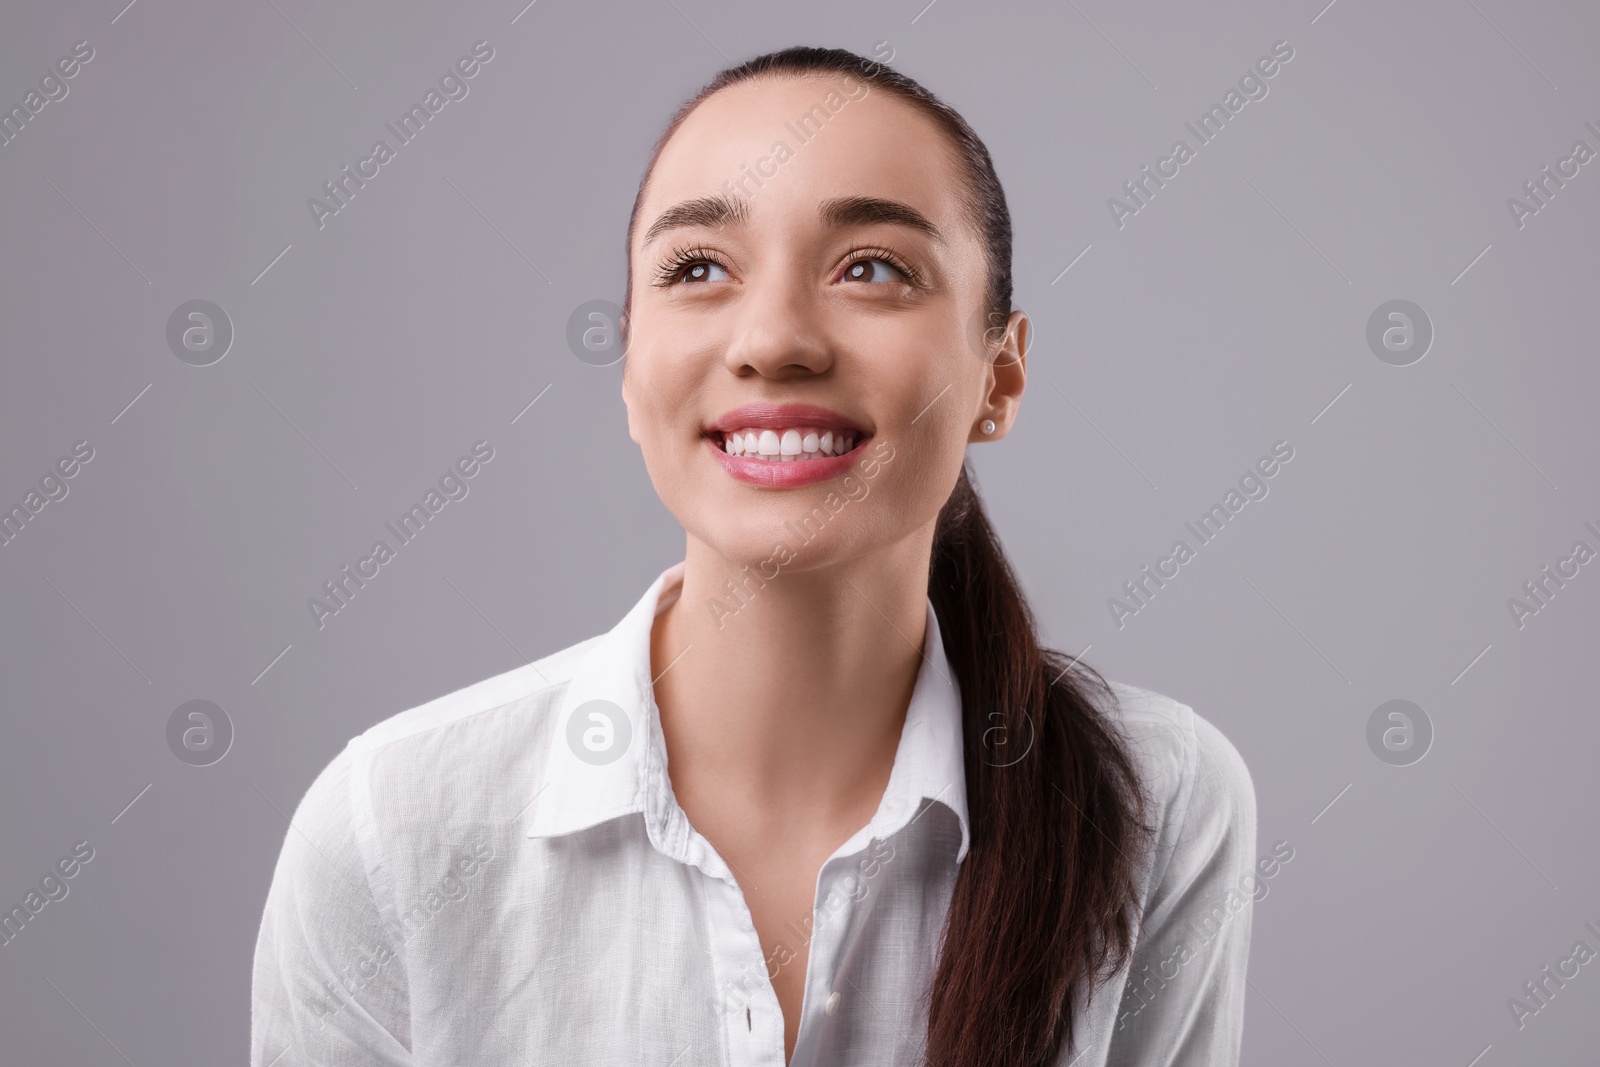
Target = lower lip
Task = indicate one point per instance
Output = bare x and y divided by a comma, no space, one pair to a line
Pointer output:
777,474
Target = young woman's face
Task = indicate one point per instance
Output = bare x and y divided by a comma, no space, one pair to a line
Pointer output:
847,279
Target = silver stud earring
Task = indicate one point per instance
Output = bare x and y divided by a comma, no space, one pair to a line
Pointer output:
987,426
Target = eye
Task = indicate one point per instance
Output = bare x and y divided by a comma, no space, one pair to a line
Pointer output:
879,265
874,269
701,272
692,264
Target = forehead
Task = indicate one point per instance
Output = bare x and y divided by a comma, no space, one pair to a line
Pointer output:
788,143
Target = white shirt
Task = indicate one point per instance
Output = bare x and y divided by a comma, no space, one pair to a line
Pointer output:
471,882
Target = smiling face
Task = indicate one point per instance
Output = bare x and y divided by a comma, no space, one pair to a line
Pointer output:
794,299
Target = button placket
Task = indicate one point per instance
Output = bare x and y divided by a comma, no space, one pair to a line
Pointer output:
745,1000
830,930
751,1020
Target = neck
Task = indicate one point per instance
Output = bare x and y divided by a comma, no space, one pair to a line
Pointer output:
787,694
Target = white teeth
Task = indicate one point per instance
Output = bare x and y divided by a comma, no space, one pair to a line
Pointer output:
789,444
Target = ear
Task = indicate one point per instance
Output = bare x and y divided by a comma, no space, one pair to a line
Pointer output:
1008,376
627,380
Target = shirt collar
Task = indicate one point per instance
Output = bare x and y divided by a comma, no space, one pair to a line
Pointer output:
610,760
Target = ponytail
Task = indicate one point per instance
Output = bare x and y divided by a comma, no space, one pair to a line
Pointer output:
1042,904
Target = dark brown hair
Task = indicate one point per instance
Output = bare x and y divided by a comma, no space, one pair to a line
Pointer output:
1043,904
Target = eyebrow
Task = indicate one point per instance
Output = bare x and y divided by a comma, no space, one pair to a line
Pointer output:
844,211
837,213
710,211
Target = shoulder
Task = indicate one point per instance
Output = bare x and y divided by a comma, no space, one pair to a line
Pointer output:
520,686
390,814
1183,992
1175,745
457,745
1196,782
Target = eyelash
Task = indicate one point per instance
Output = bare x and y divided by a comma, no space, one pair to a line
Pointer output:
683,258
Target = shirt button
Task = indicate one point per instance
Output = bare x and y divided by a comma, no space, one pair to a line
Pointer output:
832,1007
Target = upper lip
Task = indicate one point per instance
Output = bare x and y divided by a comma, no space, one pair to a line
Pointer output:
782,416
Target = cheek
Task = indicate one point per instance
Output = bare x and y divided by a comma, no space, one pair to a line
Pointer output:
905,491
665,404
665,399
915,484
924,385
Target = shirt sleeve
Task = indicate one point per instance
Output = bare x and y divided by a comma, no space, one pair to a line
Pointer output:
329,982
1183,1002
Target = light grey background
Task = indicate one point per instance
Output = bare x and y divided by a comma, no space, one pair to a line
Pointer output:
1228,314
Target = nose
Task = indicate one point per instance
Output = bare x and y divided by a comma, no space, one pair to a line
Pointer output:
779,332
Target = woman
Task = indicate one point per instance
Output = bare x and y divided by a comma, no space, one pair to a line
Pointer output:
820,797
